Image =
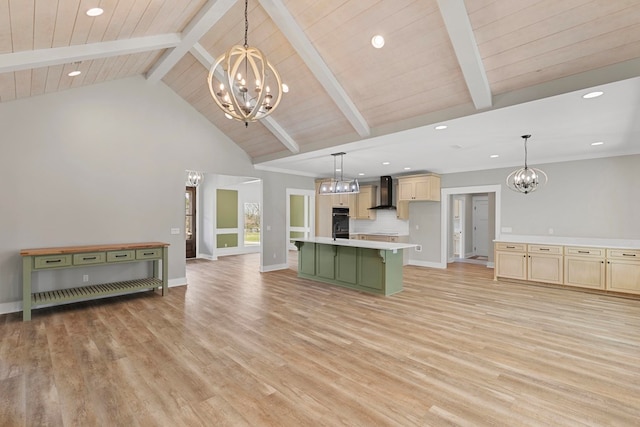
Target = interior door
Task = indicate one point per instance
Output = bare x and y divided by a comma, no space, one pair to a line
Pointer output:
190,221
481,226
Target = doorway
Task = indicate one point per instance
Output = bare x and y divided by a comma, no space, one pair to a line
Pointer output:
190,221
300,215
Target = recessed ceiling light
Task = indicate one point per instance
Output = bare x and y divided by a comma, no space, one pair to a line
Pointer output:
386,163
493,156
592,94
74,73
228,116
338,170
361,174
95,11
377,41
441,127
285,88
597,143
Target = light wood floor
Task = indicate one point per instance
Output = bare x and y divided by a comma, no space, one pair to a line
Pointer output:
240,348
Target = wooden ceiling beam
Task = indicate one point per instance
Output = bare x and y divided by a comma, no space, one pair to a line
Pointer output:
39,58
303,46
206,59
458,26
206,18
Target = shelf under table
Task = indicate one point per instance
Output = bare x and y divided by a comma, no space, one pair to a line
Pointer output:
73,294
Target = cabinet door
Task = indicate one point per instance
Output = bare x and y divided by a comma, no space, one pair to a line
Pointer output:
323,214
325,261
623,276
406,189
365,200
370,269
584,272
402,210
512,265
346,264
422,189
307,258
545,268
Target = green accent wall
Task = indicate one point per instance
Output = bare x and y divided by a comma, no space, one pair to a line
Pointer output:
296,210
226,209
230,240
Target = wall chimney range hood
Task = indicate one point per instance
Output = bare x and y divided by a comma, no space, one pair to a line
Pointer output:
386,193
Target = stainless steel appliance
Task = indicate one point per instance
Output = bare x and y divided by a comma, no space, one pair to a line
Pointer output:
340,223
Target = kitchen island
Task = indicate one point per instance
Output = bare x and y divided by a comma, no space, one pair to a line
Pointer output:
368,266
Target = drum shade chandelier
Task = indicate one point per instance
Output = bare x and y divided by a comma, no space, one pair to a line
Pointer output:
338,186
526,180
243,83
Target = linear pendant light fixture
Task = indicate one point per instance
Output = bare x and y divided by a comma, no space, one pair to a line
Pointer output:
526,180
338,186
250,87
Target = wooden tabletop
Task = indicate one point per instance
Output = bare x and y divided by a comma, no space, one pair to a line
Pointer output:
91,248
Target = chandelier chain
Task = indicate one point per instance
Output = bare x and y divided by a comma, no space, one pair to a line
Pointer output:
246,23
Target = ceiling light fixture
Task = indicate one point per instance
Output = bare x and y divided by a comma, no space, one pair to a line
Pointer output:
494,156
377,41
592,94
407,168
526,180
386,163
95,11
76,71
441,127
597,143
338,186
194,178
243,83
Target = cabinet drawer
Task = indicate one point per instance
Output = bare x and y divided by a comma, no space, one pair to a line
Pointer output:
628,254
148,253
511,247
545,249
50,261
582,251
89,258
118,256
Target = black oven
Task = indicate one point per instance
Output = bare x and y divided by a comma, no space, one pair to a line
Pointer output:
340,223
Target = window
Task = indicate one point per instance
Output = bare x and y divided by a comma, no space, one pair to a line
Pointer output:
251,224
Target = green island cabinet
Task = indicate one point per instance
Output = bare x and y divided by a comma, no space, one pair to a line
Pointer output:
373,267
42,259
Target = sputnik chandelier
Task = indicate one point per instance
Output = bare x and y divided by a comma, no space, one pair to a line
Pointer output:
193,178
243,83
526,180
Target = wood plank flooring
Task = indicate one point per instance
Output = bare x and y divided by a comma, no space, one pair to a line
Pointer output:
239,348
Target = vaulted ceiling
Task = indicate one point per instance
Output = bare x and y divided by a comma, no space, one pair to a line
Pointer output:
443,59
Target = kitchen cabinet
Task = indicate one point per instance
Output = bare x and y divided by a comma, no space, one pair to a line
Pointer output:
344,201
623,270
402,210
365,200
511,260
584,267
544,264
323,213
419,188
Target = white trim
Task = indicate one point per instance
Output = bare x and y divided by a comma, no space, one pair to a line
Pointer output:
274,267
239,250
445,193
310,195
207,257
428,264
180,281
10,307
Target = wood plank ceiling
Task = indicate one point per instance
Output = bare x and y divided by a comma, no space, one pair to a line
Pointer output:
440,55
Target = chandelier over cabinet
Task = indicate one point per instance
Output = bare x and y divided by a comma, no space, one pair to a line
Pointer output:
526,180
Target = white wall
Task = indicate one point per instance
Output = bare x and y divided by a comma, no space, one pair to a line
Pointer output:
106,164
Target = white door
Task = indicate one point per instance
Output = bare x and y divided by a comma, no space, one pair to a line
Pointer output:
300,215
481,226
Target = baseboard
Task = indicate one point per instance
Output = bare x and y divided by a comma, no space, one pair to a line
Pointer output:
274,267
207,256
426,264
10,307
180,281
490,265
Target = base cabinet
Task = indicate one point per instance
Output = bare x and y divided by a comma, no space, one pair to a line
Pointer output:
623,270
606,269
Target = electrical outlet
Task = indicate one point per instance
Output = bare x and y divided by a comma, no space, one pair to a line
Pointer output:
175,231
418,248
85,278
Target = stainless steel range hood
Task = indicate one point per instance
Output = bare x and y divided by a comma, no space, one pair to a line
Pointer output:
386,193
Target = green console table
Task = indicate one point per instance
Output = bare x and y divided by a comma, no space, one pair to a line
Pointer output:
373,267
41,259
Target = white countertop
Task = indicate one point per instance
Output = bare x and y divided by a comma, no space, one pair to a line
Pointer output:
358,243
571,241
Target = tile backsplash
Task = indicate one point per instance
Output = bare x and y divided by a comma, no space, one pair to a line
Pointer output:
386,222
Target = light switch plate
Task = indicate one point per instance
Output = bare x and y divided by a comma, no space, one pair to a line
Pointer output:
175,231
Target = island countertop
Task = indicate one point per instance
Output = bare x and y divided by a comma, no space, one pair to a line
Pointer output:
355,243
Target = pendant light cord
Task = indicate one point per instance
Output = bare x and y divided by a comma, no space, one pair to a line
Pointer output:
246,23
